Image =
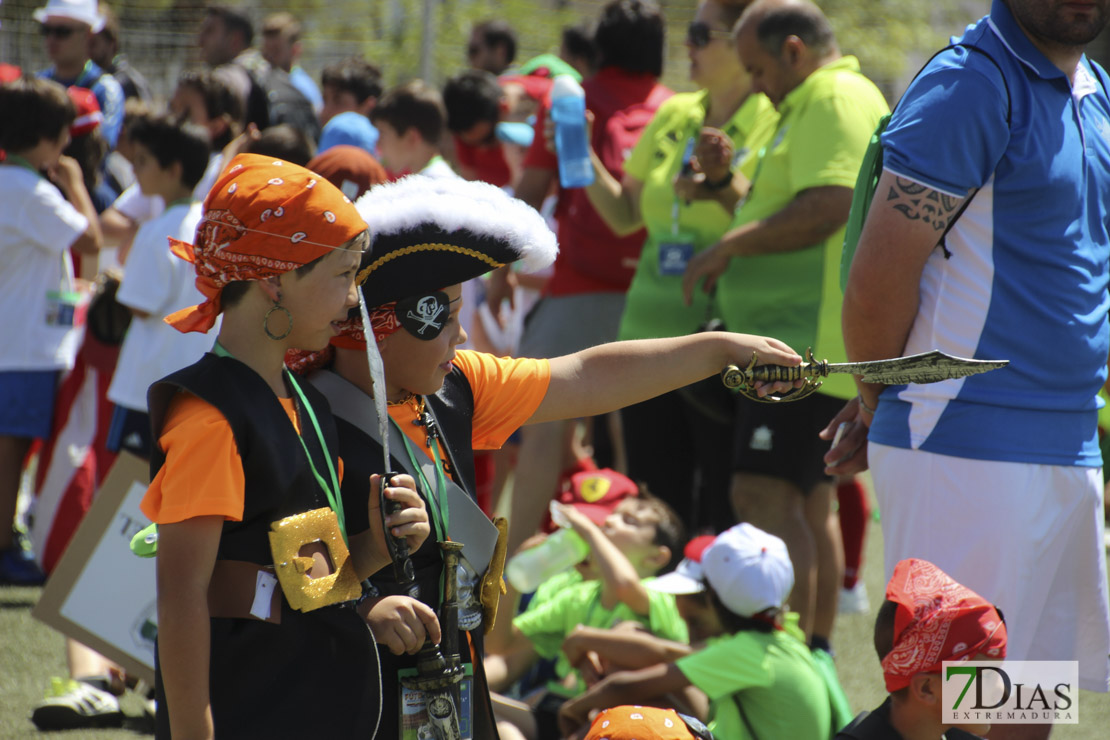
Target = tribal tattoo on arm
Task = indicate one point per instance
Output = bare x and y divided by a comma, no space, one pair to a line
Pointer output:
920,203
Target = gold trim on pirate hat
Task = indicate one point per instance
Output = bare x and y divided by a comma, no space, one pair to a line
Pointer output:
430,233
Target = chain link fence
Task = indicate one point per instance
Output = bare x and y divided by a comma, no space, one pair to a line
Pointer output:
406,37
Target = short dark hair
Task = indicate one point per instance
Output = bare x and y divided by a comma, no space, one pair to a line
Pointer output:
496,32
234,20
34,109
219,100
89,149
283,24
670,532
579,41
356,76
730,620
630,36
172,140
804,20
284,141
732,11
471,97
413,105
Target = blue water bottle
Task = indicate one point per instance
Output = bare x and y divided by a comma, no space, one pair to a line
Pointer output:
568,111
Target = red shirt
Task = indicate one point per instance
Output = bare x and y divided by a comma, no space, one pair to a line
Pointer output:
592,259
487,162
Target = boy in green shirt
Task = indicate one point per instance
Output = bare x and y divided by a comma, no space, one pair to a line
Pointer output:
759,677
638,540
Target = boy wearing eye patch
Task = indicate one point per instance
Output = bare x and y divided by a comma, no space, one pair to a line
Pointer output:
429,237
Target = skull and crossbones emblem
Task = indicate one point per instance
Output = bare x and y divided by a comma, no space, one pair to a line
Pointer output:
428,310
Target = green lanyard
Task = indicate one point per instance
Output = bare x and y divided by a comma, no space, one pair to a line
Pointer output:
332,491
441,514
17,161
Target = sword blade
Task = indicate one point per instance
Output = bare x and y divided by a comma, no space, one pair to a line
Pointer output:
927,367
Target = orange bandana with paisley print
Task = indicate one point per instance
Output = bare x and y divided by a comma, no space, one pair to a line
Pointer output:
262,218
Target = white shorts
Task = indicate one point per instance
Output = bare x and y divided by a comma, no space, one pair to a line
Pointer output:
1027,537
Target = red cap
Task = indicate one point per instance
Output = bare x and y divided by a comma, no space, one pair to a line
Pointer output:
88,111
597,492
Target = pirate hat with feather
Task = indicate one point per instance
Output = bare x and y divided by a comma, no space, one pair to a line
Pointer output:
429,234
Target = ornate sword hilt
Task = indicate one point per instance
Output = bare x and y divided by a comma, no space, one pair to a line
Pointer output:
743,381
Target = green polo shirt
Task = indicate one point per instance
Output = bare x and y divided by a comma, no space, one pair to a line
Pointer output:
654,306
548,625
824,128
773,676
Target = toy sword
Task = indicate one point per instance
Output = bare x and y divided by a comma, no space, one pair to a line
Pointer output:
927,367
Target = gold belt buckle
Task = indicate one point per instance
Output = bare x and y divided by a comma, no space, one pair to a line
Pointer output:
288,537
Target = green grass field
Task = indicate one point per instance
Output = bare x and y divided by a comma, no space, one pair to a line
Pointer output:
31,653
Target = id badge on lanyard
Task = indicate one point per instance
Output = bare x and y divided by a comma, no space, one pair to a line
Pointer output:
676,250
416,722
66,306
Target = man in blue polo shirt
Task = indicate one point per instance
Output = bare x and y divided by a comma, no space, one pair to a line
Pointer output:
996,478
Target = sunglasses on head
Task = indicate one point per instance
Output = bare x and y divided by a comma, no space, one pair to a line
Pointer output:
62,32
699,34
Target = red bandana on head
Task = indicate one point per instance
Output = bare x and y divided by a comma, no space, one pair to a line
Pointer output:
937,620
383,321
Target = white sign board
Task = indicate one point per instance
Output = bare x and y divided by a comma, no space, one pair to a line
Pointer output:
101,594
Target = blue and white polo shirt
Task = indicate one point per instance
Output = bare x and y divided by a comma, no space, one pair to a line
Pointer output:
1026,274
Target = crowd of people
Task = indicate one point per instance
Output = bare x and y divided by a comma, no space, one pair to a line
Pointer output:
351,326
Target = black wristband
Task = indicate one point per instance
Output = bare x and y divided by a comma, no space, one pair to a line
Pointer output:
721,184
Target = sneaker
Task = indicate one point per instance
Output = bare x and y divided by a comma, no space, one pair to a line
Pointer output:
73,704
18,568
854,600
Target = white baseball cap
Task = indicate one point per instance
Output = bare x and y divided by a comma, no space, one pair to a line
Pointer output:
749,569
687,577
83,11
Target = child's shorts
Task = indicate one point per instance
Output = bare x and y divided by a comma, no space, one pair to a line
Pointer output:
27,402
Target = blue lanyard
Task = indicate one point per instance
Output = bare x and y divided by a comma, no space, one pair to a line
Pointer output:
332,491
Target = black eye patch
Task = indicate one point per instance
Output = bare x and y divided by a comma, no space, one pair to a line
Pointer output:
424,316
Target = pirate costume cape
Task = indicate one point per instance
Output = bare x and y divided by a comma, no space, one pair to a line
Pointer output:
429,235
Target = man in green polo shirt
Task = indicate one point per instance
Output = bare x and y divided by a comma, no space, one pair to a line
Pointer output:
787,235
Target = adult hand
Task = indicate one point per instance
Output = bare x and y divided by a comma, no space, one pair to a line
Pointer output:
403,624
710,265
713,154
500,287
549,129
848,454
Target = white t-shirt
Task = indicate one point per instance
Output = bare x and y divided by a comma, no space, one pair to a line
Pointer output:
142,208
37,227
157,282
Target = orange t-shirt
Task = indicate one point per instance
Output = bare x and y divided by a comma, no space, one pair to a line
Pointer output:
507,391
203,473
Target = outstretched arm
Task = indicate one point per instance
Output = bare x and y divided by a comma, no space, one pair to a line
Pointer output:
611,376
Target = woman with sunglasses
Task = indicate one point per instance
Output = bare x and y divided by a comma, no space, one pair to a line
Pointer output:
678,151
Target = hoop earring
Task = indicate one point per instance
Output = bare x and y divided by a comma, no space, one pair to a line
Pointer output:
266,322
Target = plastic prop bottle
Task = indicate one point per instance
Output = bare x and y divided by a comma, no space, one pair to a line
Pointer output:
568,111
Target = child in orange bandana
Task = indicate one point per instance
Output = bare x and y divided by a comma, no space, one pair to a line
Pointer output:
257,573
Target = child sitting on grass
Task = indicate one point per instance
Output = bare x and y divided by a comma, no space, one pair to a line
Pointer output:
760,679
637,541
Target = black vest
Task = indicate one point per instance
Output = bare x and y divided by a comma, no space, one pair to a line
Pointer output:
279,481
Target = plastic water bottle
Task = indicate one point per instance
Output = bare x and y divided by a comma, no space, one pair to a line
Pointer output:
568,111
562,549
